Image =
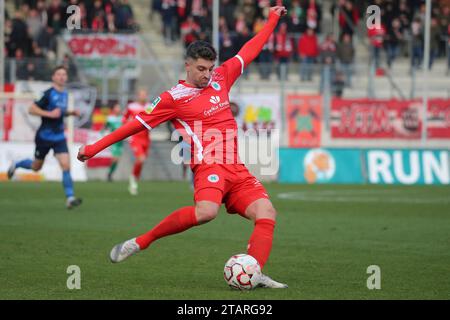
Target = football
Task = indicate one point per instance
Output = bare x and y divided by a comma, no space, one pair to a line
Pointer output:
242,272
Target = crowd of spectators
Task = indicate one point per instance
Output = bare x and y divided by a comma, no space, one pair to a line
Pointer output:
299,36
31,29
402,31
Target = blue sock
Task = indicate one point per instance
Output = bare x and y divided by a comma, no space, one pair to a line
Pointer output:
25,164
67,183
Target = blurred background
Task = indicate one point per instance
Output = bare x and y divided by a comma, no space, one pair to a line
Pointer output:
352,103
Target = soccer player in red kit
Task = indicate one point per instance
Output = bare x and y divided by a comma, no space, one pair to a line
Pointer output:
139,142
199,107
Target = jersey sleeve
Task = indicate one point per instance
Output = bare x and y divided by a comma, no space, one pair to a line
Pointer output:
44,101
231,70
162,110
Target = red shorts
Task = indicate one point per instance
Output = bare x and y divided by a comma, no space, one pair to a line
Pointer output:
140,147
231,184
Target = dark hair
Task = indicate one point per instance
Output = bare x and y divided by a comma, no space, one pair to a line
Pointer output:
201,49
55,69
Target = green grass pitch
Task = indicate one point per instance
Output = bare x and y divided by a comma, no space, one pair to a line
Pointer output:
325,239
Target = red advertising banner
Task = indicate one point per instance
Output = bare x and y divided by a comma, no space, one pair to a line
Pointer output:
103,45
388,119
438,125
304,119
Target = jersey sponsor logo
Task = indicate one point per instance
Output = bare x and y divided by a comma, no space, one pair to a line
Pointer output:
214,99
155,102
213,178
215,86
218,106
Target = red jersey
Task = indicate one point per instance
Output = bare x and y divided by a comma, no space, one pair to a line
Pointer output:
133,109
202,115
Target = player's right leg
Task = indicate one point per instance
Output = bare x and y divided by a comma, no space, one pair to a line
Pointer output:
62,155
178,221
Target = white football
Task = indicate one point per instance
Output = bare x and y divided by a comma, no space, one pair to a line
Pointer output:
242,272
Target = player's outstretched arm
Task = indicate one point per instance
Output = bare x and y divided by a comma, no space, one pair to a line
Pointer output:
253,47
88,151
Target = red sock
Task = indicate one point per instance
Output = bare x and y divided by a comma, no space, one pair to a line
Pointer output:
260,243
178,221
137,169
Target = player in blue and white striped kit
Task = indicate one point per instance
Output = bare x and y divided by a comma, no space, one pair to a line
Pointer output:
52,108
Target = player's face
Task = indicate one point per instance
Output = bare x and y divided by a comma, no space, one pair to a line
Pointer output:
60,77
199,72
142,96
116,110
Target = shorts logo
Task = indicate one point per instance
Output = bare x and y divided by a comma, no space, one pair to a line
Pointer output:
215,86
213,178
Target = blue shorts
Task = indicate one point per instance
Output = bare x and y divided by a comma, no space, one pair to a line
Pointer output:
44,146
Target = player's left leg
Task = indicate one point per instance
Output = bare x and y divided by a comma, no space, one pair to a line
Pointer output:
64,162
249,198
263,214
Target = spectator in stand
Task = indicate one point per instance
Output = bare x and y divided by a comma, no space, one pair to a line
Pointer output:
308,50
265,59
240,22
124,16
189,31
405,20
227,10
328,60
242,37
54,13
392,41
98,22
205,21
435,38
19,38
197,9
47,41
296,18
227,48
249,10
444,22
346,57
416,43
111,23
168,14
223,26
34,24
42,12
348,17
376,34
283,49
313,15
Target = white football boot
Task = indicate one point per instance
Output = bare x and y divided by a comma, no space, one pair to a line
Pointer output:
123,250
133,186
266,282
73,202
11,170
